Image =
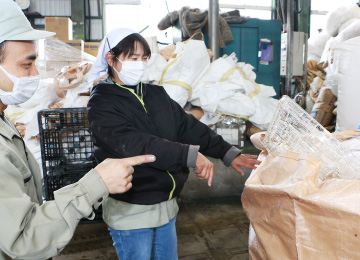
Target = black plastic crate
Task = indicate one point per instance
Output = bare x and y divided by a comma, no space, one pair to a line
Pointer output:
66,147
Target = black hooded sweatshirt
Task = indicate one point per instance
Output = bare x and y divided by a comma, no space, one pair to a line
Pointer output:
124,124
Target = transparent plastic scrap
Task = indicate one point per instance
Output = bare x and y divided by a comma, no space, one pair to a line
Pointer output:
292,128
54,54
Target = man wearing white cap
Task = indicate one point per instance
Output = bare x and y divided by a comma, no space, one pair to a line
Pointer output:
28,228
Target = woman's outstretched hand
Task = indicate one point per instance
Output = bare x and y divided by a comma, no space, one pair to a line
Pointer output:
244,160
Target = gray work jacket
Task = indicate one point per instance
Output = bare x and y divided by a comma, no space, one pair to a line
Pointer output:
30,229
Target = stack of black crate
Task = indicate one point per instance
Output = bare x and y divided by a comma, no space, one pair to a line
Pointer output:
66,148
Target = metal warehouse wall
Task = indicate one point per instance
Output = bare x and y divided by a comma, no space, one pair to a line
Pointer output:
51,7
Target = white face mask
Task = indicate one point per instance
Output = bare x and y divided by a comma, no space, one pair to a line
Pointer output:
23,89
131,72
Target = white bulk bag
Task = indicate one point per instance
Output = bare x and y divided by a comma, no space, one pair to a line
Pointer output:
180,73
338,16
224,89
154,68
317,44
328,49
347,60
352,31
238,104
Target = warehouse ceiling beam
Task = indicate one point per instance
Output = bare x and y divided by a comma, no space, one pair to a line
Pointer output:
254,7
319,12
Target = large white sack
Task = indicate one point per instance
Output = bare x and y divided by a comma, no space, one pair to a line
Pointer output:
29,118
248,70
73,98
222,80
351,31
332,74
328,49
265,107
314,57
339,15
154,68
220,70
348,30
212,93
313,85
179,47
257,92
210,118
229,87
184,70
177,93
237,104
316,44
213,74
347,58
208,90
259,95
347,23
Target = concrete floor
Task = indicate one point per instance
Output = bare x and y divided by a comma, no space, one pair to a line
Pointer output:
208,229
213,229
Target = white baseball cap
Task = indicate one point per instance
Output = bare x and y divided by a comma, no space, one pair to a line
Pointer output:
14,26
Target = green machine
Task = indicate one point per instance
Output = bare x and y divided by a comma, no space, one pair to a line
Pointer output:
258,43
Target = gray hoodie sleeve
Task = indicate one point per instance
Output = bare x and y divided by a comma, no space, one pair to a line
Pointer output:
230,155
192,155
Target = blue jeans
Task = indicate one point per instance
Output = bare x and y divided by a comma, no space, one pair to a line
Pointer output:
158,243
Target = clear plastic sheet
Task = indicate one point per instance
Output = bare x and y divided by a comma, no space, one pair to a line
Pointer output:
293,129
54,54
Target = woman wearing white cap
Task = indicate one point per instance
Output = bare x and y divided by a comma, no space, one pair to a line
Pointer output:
127,118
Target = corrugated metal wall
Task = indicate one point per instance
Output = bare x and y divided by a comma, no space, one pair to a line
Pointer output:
95,9
51,7
93,20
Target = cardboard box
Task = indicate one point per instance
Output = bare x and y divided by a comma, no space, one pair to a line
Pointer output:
62,26
324,106
78,44
92,48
